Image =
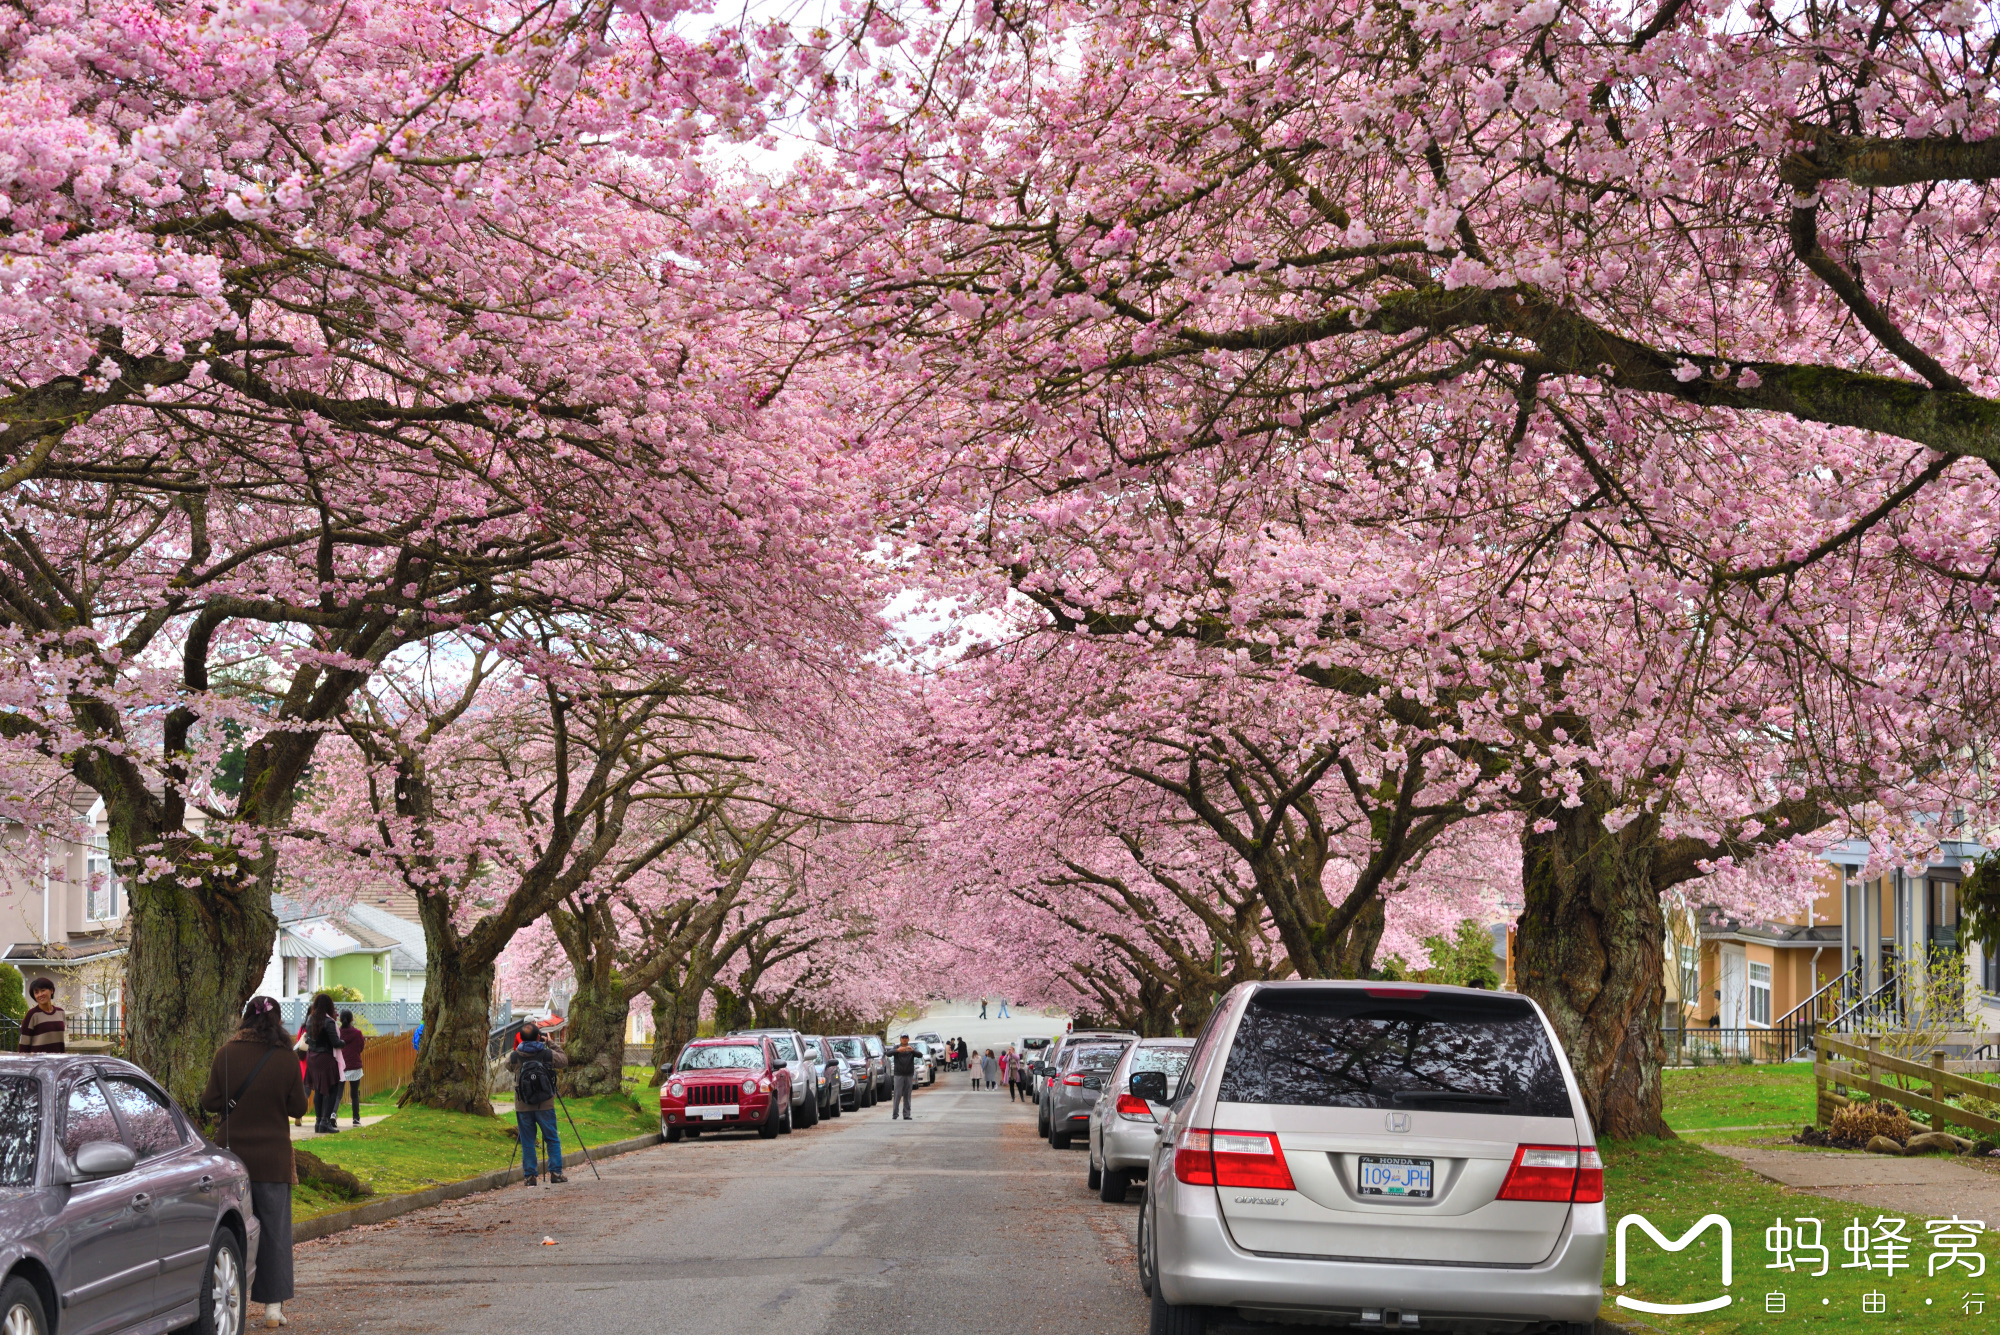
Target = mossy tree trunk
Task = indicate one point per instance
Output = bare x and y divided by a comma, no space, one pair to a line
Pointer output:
200,945
1590,950
451,1071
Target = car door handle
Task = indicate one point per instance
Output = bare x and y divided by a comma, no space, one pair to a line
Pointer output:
142,1201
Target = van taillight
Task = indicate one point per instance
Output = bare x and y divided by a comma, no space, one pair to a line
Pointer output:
1232,1159
1590,1178
1554,1173
1194,1161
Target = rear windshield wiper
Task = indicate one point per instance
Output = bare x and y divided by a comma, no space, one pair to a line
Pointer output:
1446,1095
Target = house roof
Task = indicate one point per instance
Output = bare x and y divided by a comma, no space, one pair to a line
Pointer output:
352,929
56,956
1773,934
407,953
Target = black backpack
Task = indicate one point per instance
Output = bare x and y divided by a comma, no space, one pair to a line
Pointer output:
533,1083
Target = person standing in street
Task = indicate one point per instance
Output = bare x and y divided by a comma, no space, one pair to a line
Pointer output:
1005,1014
253,1087
982,1008
534,1064
323,1064
45,1027
989,1066
903,1066
352,1043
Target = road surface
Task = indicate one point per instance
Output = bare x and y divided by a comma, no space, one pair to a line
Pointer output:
961,1220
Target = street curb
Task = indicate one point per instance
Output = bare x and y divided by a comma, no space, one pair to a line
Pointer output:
376,1212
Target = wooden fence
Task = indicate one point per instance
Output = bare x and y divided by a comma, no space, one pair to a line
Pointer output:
1858,1065
387,1062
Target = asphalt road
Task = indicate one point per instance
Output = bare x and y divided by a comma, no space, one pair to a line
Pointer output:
961,1220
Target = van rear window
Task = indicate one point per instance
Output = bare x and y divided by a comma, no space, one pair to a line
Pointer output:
1342,1048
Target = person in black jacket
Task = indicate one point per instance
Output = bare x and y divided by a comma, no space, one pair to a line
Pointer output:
903,1066
323,1044
253,1089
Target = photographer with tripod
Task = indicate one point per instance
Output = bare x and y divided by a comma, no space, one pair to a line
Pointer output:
534,1064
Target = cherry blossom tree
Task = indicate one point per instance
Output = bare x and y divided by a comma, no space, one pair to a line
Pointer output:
1557,381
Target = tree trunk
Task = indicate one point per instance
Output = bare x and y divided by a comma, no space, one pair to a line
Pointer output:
1590,951
198,953
1355,948
676,1020
594,1039
451,1063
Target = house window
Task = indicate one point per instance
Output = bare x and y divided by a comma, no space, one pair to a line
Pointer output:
1760,994
100,893
102,1003
1687,959
1989,971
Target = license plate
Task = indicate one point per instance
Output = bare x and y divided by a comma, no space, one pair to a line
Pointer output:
717,1114
1383,1175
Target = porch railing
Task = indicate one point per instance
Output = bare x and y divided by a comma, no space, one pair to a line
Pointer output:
1821,1010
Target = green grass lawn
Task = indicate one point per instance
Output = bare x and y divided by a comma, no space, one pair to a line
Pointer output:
422,1147
1674,1183
1702,1097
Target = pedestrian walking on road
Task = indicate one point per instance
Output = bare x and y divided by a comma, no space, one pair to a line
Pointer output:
989,1066
323,1047
1005,1014
352,1044
903,1066
982,1008
45,1027
534,1064
253,1086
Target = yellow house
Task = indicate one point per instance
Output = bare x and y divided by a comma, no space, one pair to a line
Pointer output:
1814,968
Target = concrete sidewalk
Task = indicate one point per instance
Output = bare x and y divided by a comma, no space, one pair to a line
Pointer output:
1931,1188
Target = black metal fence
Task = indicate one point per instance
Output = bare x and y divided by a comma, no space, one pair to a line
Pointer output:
1734,1047
99,1028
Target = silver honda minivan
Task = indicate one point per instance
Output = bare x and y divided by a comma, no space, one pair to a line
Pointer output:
1386,1156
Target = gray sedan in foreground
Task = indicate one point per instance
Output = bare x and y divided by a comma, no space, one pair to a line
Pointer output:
1123,1126
115,1214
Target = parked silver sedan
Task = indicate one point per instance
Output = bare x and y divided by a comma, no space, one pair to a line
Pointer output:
115,1214
1124,1126
1375,1155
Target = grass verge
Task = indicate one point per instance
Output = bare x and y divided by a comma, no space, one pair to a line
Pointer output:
1674,1183
1698,1098
417,1148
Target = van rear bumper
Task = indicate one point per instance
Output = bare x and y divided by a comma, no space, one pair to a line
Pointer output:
1200,1264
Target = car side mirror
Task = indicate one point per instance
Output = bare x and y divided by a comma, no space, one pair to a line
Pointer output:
104,1158
1149,1085
1092,1082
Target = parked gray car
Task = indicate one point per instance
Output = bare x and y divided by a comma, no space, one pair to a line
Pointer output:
115,1214
805,1073
1045,1069
820,1053
1124,1126
883,1086
1080,1075
1393,1157
853,1050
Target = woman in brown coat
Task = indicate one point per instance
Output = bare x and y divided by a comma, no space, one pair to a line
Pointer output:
254,1089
